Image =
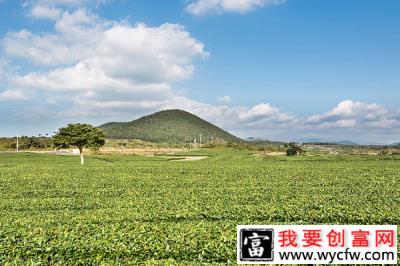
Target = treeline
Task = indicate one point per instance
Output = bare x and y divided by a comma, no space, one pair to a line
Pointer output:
216,143
36,143
245,145
26,143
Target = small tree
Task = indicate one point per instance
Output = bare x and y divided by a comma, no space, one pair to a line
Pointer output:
293,149
80,136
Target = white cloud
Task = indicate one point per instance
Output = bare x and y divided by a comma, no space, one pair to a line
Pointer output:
45,12
3,73
260,116
122,71
60,2
259,110
52,9
13,95
264,119
68,45
354,114
224,99
120,57
121,66
67,3
203,7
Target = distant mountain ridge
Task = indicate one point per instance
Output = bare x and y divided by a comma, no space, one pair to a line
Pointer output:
168,126
332,142
346,142
261,141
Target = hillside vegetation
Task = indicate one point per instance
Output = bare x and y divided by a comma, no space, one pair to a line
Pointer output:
25,143
170,126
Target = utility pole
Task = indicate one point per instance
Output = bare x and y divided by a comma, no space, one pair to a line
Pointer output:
17,141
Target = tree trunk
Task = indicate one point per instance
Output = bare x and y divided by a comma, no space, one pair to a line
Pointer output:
81,153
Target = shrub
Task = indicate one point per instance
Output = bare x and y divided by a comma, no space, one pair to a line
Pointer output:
293,149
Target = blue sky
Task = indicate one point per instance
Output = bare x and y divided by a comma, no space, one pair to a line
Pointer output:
283,70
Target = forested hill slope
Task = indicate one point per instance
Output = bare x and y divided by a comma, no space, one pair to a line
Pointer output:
169,126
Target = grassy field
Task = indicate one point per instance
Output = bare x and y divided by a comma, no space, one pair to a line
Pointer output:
150,210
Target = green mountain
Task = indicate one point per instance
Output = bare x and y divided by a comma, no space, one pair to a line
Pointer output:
169,126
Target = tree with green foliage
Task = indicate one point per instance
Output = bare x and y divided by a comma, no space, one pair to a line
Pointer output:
80,136
293,149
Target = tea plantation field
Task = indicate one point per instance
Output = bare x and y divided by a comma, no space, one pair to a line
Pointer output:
150,210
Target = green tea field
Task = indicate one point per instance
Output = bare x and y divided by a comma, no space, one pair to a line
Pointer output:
157,211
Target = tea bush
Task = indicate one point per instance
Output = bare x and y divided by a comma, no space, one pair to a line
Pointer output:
152,211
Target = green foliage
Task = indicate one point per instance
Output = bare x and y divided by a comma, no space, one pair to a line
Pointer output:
25,143
80,136
8,143
293,149
251,146
171,126
122,210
